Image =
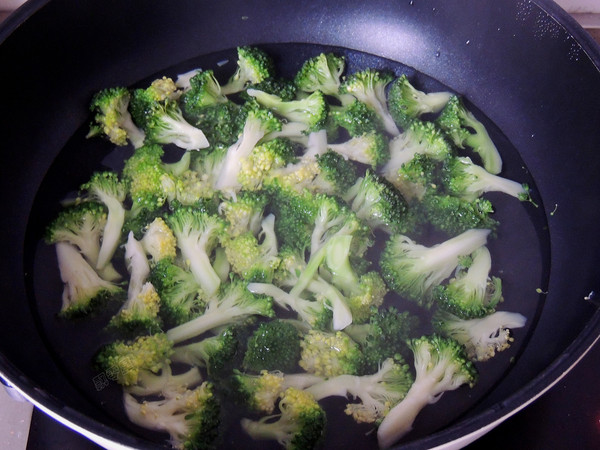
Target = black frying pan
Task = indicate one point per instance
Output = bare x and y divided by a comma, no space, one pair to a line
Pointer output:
525,67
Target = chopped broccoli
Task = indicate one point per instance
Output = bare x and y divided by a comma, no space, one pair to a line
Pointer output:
368,86
204,90
418,177
463,128
262,160
274,345
378,392
84,290
406,102
180,294
321,73
467,180
244,213
233,303
472,292
155,110
253,66
311,111
164,383
254,258
283,88
159,241
440,366
299,425
197,235
106,188
191,417
483,336
356,117
220,122
329,354
125,360
112,118
369,148
414,270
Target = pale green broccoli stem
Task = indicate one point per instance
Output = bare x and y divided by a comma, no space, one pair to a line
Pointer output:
137,266
316,144
342,315
183,79
482,144
112,231
194,252
488,182
182,134
338,262
212,318
164,383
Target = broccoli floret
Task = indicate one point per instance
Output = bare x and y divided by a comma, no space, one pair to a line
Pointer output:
84,290
191,417
368,86
258,122
274,345
197,235
112,119
482,337
244,213
106,188
220,123
234,302
418,177
472,292
253,66
124,360
383,337
181,295
329,354
356,117
378,392
155,110
217,353
311,111
321,73
463,178
80,225
376,201
464,129
440,366
453,215
204,90
260,393
369,148
254,258
420,137
265,158
283,88
414,270
164,383
159,241
406,102
299,425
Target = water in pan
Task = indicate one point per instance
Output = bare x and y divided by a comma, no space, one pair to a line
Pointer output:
520,257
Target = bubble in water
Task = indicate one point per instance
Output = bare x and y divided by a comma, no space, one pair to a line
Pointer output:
437,54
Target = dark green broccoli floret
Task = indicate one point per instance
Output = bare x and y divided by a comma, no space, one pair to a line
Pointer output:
281,87
253,66
112,119
418,177
204,90
321,73
406,103
464,129
440,365
356,117
414,270
221,123
244,213
275,345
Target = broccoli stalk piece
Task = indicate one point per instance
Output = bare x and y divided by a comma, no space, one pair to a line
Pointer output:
464,129
259,121
472,292
414,270
197,235
329,354
159,241
112,118
260,393
156,110
321,73
274,345
204,90
311,111
406,102
233,303
378,392
84,290
482,337
469,181
440,366
299,425
180,294
369,148
191,417
164,383
125,360
368,86
80,225
106,188
253,66
376,201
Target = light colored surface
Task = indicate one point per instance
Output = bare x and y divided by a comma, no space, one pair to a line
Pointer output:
580,6
15,417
